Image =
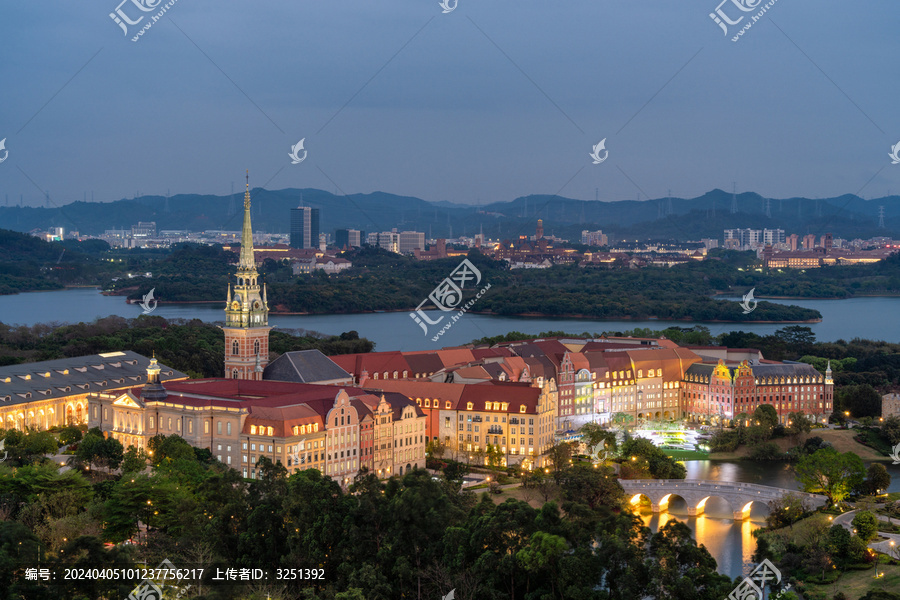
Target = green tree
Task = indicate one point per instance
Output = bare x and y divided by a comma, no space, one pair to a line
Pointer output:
597,438
135,460
878,479
540,559
786,511
680,569
798,424
659,464
838,543
163,448
891,429
560,455
766,415
436,449
594,487
70,435
829,472
866,525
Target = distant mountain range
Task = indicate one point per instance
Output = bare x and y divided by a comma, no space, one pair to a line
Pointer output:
846,216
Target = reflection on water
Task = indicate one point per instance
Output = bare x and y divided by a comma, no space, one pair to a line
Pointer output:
728,541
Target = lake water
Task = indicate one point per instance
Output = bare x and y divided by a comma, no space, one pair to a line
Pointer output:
873,318
730,542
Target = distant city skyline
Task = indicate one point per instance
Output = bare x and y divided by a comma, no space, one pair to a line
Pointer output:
488,103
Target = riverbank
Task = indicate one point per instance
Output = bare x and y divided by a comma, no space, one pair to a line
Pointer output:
841,439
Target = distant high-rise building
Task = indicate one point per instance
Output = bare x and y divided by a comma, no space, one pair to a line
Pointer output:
773,237
747,239
144,229
809,242
594,238
386,240
539,231
348,238
304,227
410,240
794,241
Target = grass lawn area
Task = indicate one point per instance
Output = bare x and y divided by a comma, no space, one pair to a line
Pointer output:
842,440
855,584
687,455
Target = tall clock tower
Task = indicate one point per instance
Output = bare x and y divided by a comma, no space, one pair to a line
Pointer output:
246,313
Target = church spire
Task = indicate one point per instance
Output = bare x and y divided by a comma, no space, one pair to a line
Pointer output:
247,261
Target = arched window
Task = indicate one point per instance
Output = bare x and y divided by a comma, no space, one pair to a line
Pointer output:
234,374
235,347
256,347
228,428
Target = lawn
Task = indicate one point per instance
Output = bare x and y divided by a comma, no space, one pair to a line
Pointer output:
855,584
842,440
687,454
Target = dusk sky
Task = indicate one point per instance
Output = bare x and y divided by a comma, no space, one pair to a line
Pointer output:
494,100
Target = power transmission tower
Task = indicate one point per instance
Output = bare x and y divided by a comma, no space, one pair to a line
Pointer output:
768,208
733,197
881,217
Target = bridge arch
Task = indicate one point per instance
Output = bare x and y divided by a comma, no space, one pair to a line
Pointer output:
740,497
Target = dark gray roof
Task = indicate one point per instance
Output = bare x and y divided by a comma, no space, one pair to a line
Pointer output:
304,366
30,382
785,369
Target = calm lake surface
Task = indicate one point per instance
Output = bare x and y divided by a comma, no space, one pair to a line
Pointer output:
872,318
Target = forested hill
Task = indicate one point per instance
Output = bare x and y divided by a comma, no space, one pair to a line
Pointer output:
845,216
28,263
381,280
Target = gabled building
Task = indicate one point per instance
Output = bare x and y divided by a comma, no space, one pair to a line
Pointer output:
54,393
722,392
306,366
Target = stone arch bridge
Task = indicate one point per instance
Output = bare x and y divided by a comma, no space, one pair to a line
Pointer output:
697,491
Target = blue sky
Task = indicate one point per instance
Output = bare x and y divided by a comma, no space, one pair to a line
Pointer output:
495,100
